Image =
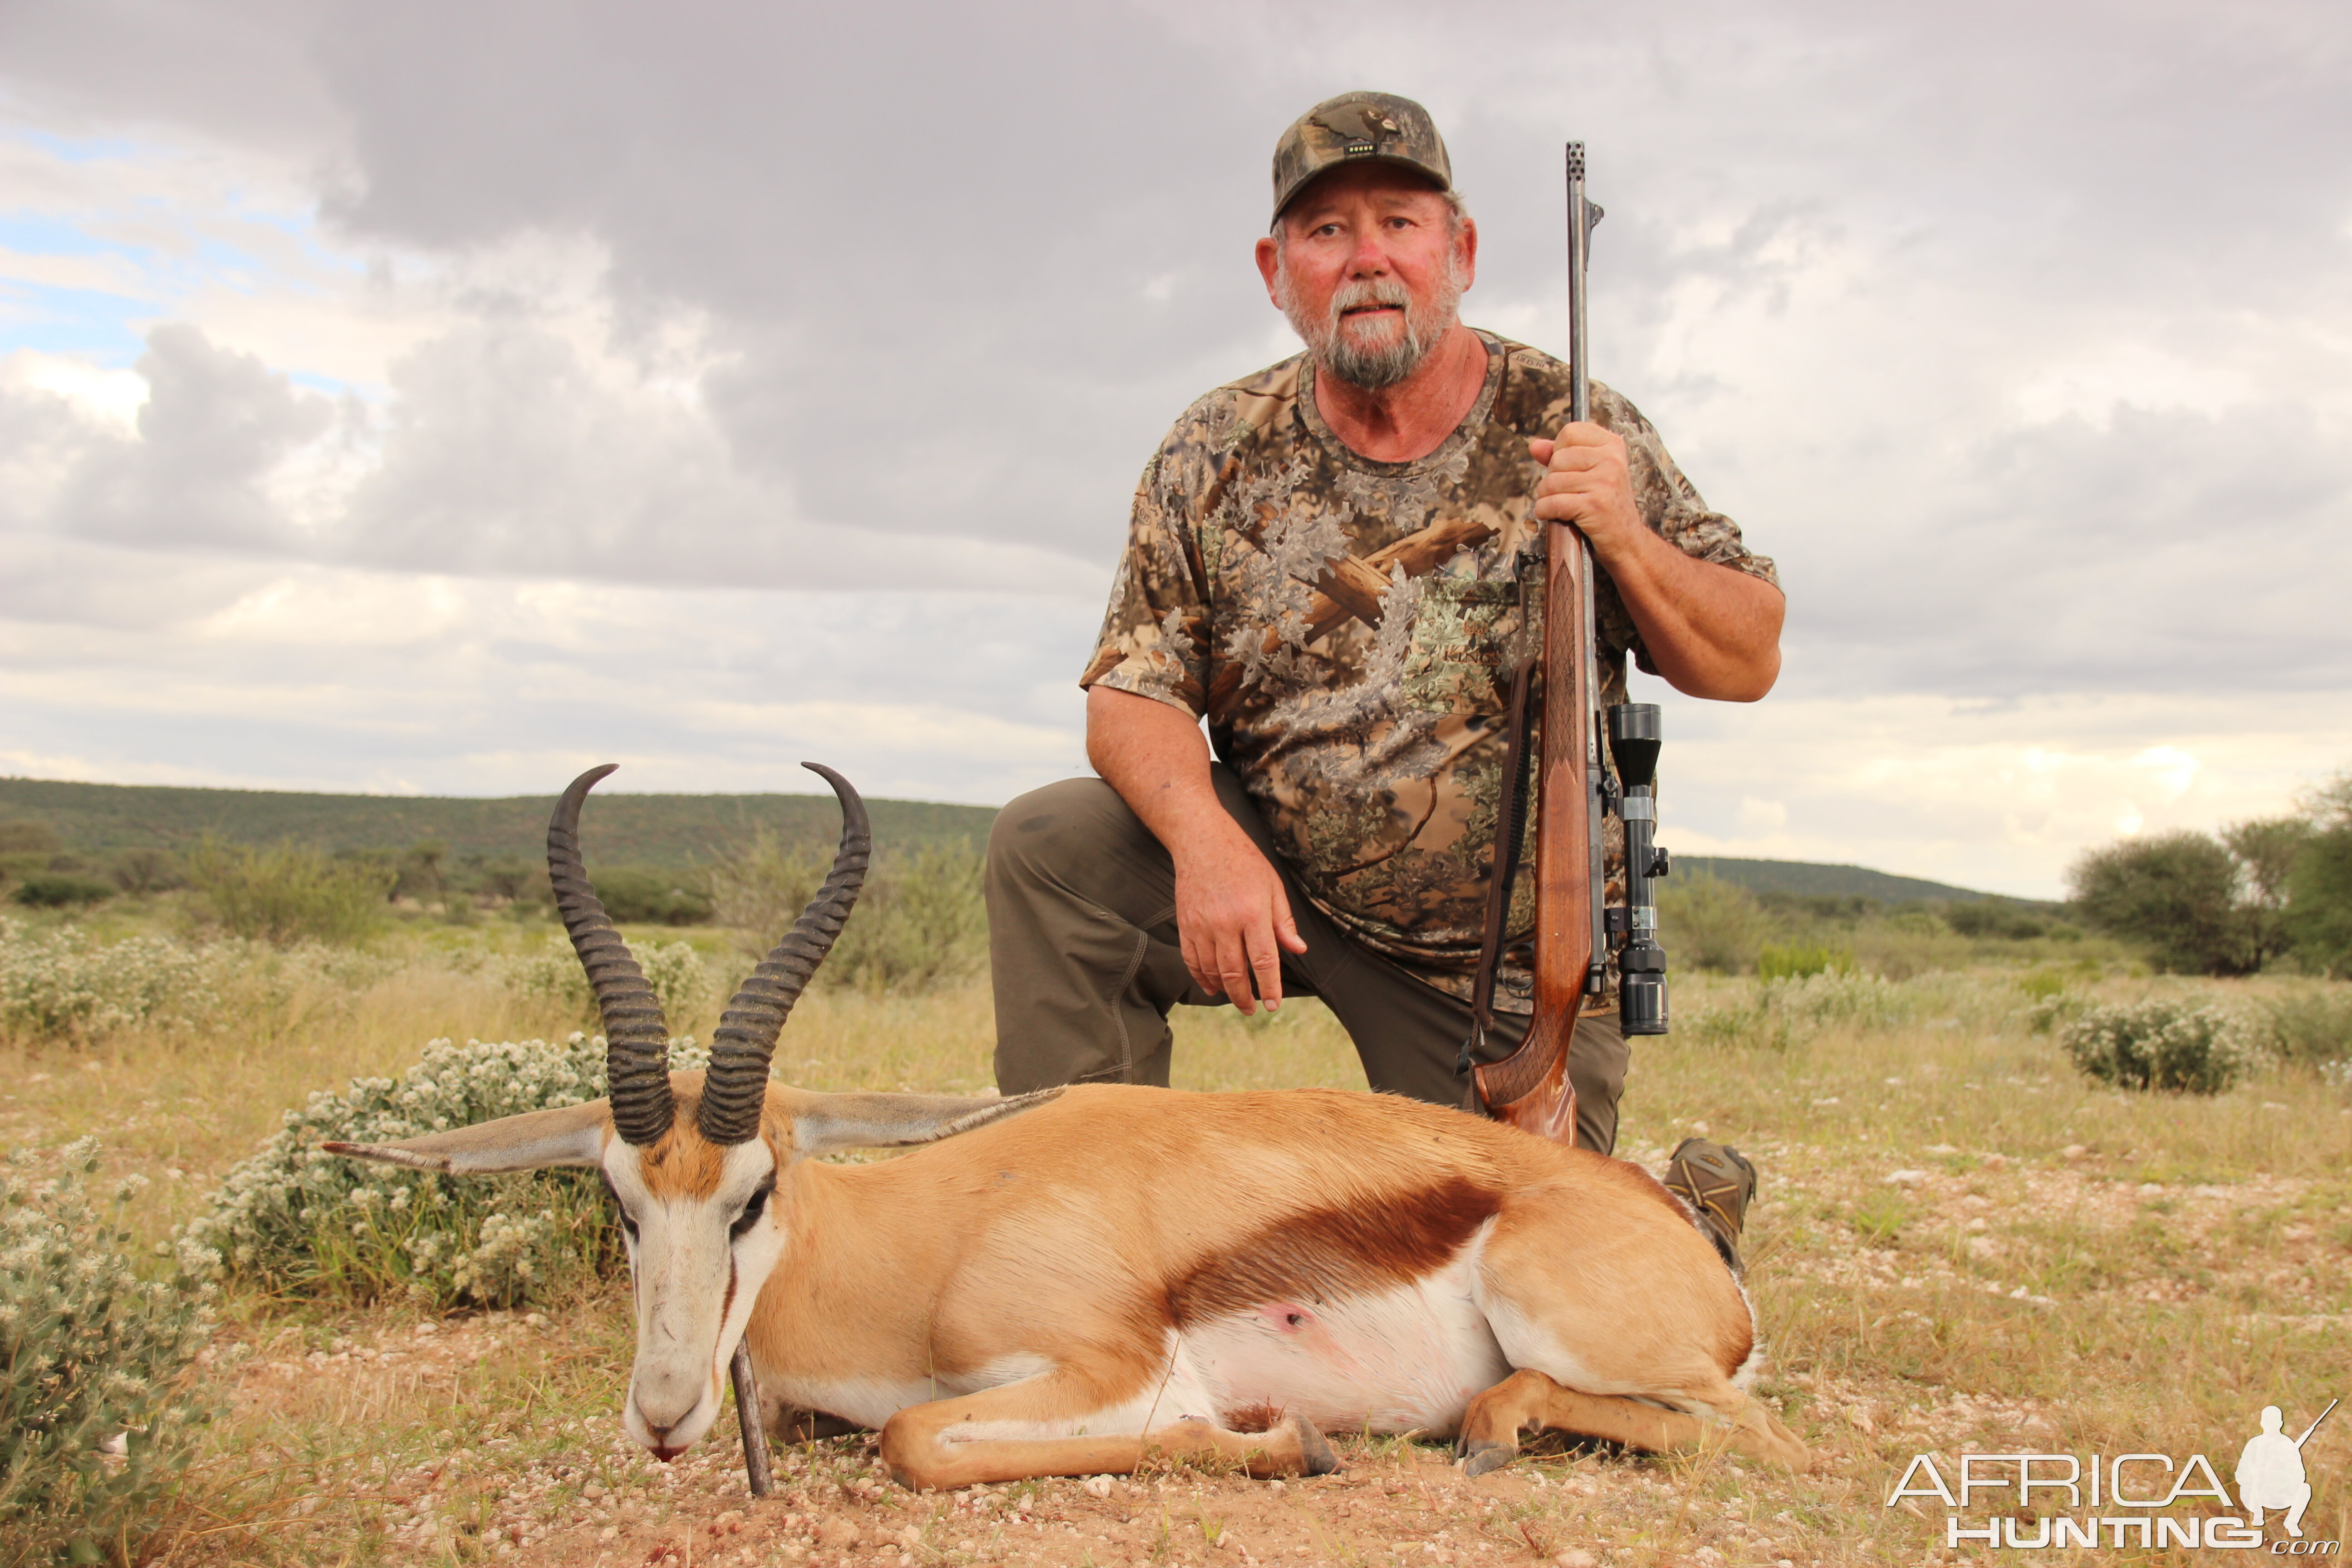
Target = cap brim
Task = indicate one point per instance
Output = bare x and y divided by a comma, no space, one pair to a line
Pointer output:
1436,180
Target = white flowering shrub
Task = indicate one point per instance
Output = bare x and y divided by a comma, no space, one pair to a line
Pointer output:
98,1403
2161,1045
673,969
62,985
59,985
295,1220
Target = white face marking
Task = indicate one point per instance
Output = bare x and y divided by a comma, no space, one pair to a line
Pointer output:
682,1254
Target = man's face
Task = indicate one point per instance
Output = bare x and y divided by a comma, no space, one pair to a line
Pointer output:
1368,268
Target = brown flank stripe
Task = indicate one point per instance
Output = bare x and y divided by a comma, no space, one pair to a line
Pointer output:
1325,1255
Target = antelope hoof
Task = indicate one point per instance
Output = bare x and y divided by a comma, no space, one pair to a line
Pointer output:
1479,1458
1315,1455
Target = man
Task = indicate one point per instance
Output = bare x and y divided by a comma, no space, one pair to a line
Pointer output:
2271,1474
1340,844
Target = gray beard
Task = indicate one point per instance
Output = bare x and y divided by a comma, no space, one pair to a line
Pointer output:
1373,368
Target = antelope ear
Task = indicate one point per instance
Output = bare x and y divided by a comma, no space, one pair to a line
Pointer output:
569,1135
823,1123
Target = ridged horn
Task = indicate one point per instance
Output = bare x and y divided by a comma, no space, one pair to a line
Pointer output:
636,1035
745,1040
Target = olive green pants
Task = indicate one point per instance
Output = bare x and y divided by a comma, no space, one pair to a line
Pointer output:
1084,952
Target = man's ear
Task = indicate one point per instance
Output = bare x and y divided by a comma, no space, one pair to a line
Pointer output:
1268,254
825,1124
570,1135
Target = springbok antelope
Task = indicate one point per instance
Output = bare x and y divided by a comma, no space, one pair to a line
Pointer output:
1061,1283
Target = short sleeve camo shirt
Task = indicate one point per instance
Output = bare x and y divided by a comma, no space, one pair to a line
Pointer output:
1374,751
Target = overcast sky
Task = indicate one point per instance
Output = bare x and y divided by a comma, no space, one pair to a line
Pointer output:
444,398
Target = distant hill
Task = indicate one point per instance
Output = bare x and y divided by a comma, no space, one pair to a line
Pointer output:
1809,879
652,830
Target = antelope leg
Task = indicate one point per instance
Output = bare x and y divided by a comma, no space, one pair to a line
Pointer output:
923,1451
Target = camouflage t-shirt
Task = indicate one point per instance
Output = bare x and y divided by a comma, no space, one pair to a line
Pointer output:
1373,742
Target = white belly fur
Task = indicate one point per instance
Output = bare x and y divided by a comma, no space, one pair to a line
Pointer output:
1409,1359
1404,1360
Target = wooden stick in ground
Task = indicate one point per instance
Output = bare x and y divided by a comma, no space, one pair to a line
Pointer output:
756,1468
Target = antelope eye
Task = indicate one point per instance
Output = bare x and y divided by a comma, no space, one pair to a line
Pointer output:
628,1222
752,1210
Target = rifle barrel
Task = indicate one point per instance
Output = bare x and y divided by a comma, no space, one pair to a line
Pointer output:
2315,1425
1580,408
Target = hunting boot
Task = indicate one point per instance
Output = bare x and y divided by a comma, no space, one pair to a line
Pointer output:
1718,1183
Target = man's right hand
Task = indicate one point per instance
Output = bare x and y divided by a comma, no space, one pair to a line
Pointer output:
1234,917
1232,914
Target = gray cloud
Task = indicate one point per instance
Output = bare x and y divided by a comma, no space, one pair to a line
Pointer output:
2006,328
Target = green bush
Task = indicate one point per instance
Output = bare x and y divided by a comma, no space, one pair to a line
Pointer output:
555,977
1708,923
1993,918
921,921
97,1398
653,898
2309,1030
1797,960
2042,985
147,870
287,894
60,890
295,1221
2160,1044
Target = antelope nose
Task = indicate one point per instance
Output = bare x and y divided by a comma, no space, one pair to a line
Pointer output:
661,1446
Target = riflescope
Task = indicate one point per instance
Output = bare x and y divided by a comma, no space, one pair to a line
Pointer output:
1635,735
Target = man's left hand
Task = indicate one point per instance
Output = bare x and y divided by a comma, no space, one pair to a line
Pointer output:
1587,480
1711,631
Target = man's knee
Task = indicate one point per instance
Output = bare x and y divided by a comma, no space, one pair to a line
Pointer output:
1049,828
1598,1056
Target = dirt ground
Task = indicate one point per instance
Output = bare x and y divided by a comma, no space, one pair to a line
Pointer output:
585,1495
496,1438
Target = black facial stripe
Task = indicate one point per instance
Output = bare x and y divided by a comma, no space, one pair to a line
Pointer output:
629,1221
753,1207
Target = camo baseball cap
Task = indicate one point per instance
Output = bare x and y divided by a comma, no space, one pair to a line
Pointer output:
1378,126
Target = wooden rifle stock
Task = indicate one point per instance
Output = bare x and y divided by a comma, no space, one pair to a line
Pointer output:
1530,1089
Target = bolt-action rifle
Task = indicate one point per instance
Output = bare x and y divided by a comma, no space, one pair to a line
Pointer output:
1575,928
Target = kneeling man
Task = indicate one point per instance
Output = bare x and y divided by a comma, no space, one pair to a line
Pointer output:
1340,844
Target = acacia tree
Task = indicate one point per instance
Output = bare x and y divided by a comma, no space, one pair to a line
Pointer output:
2176,892
2267,850
2319,885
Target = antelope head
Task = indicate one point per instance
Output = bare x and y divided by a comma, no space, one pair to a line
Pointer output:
693,1160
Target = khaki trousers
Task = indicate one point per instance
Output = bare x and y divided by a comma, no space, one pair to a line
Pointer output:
1084,952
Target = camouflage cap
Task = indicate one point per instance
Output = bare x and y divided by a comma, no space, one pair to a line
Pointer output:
1378,126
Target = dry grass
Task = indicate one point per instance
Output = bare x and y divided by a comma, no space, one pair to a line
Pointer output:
1962,1244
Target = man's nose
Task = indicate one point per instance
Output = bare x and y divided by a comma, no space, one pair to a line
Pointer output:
1370,256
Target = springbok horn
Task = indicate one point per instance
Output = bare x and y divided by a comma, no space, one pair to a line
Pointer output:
737,1085
636,1036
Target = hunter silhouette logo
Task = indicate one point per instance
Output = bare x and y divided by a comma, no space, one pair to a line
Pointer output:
2270,1471
2044,1501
